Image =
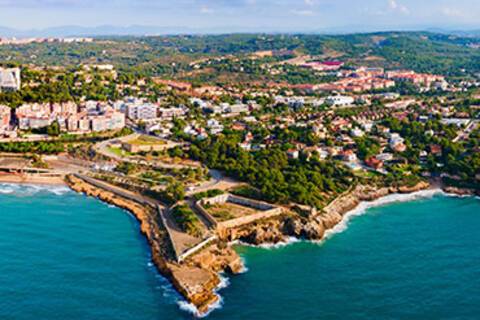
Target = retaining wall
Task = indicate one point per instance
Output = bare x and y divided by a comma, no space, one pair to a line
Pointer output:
223,198
235,223
195,249
267,210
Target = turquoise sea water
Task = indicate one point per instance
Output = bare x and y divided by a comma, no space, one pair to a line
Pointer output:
65,256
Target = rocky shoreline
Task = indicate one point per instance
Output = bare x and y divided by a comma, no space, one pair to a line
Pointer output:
197,278
463,192
314,226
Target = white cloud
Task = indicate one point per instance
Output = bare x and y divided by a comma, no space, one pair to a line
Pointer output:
396,6
309,2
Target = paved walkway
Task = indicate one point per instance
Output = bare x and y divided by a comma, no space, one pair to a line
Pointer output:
218,181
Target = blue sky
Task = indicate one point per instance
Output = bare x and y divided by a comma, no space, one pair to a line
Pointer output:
282,15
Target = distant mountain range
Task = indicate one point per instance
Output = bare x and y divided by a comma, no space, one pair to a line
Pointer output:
133,30
105,30
141,30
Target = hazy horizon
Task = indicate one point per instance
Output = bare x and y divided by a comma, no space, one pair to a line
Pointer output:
226,16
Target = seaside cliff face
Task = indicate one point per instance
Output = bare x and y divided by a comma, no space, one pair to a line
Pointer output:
198,277
314,226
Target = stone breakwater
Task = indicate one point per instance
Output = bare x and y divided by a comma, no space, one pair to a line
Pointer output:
314,226
197,278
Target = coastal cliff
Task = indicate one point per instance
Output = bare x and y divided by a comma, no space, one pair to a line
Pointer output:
197,278
313,227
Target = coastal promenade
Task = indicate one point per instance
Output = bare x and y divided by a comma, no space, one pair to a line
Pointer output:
115,190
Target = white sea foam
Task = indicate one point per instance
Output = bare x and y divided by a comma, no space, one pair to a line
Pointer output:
288,241
31,189
358,211
6,189
190,308
174,297
244,266
224,282
169,291
342,226
58,190
364,206
269,246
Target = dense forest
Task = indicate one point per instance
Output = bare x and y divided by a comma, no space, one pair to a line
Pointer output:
276,178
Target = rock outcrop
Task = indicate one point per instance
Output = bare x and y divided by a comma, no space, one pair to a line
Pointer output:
409,189
197,278
313,226
461,191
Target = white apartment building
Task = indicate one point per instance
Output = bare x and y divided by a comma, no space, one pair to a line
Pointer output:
144,111
170,113
340,100
69,117
10,79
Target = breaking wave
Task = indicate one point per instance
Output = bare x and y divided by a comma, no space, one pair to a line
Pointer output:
190,308
25,190
358,211
174,297
268,246
363,207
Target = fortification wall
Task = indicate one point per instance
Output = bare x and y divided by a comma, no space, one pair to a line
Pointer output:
235,223
266,210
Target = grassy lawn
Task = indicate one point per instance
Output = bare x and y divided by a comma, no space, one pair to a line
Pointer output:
227,211
119,152
157,177
222,215
146,140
